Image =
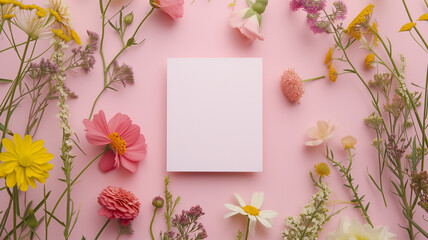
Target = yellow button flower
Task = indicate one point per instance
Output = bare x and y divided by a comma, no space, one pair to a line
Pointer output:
24,161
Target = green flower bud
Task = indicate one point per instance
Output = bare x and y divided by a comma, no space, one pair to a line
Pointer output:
259,6
32,221
158,202
128,18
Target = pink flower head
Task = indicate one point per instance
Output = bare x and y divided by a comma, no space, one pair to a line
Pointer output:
174,8
127,146
118,203
292,85
321,133
248,26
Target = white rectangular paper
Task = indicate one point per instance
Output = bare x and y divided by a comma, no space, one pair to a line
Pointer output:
214,115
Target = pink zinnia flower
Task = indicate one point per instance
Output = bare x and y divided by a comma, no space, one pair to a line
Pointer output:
249,26
126,144
174,8
118,203
292,85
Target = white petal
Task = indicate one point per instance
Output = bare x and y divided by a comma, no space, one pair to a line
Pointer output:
252,228
257,199
235,208
265,222
268,214
252,218
314,142
230,214
240,200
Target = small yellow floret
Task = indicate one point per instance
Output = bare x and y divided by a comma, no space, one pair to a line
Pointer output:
332,73
328,56
322,169
61,34
75,37
407,27
8,16
423,17
5,2
55,14
369,60
18,4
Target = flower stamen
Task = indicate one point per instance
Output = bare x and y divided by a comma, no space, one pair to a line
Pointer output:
251,210
117,143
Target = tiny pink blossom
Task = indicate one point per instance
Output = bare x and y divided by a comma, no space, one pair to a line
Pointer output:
292,85
126,145
118,203
174,8
249,27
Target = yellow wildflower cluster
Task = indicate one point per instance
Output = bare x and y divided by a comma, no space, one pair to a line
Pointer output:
368,61
322,169
407,27
361,20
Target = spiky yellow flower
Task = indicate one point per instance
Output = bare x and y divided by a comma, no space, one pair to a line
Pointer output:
59,33
361,19
55,14
349,142
368,61
75,37
407,27
24,161
328,57
374,32
332,73
423,17
322,169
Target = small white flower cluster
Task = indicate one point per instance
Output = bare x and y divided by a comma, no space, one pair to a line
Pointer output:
312,217
63,114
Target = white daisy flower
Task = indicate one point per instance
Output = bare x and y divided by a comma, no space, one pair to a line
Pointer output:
32,24
252,211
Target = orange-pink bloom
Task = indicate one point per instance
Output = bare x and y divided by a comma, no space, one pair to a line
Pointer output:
118,203
126,145
292,85
174,8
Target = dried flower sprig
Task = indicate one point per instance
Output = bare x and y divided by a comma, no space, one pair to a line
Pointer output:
187,225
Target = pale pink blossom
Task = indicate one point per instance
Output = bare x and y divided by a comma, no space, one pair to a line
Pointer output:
118,203
174,8
249,27
126,145
321,133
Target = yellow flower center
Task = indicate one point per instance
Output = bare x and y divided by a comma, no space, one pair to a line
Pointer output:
117,143
359,237
25,161
251,210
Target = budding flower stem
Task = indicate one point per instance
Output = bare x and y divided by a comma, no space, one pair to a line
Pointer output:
151,223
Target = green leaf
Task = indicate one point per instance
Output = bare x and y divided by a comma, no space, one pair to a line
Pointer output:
56,219
5,80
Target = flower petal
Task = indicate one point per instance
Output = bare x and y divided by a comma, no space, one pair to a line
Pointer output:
11,180
265,222
137,151
107,161
257,199
129,165
230,214
240,200
268,214
235,208
9,145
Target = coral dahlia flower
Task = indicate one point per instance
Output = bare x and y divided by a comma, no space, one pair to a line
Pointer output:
126,145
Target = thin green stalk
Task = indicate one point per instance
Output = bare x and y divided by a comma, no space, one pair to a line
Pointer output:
151,223
5,216
141,23
416,29
248,229
15,210
315,78
102,229
73,182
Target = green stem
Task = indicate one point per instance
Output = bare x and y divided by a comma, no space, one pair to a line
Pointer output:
411,20
151,223
141,23
96,100
315,78
102,229
248,229
15,210
73,182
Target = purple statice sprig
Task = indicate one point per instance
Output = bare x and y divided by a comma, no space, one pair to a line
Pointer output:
187,225
317,18
84,56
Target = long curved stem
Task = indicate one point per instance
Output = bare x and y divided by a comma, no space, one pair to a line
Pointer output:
151,223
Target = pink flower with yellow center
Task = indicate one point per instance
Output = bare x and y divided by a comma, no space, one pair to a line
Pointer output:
126,145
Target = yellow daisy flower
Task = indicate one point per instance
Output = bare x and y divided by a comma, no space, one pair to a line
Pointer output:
24,161
322,169
407,27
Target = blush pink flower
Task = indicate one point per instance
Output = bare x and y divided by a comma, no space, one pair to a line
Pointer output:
127,146
321,133
174,8
118,203
248,26
292,85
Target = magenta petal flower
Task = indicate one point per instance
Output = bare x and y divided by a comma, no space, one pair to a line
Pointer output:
127,146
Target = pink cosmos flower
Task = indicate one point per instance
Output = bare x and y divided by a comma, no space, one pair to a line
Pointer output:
127,146
174,8
249,27
118,203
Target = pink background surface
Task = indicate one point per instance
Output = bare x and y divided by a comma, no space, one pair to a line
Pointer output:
204,32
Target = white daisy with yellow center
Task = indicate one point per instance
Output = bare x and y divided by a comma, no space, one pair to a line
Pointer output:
252,211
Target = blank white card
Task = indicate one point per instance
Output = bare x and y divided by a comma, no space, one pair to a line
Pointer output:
214,115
